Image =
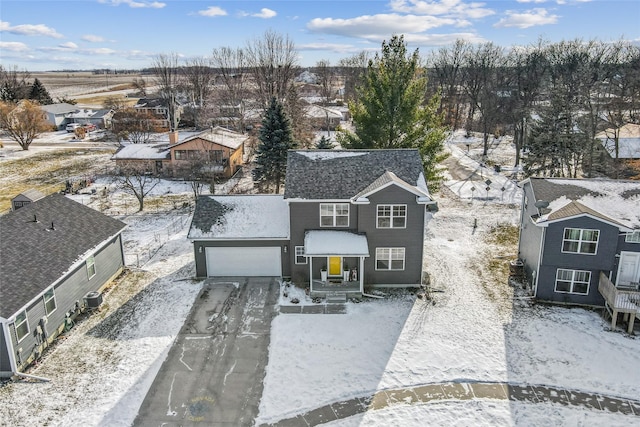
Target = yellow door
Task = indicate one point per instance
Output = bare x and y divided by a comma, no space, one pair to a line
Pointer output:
335,266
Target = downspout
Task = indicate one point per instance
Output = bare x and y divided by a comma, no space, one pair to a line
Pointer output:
310,275
12,360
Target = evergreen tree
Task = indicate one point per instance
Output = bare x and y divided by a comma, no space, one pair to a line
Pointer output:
324,144
390,109
39,93
275,140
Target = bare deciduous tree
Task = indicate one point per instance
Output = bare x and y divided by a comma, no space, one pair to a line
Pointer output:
23,121
326,77
167,75
353,69
231,90
136,180
197,81
135,126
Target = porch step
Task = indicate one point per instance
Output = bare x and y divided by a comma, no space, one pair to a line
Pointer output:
336,297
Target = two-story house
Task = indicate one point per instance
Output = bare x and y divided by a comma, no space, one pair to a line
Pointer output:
580,241
348,218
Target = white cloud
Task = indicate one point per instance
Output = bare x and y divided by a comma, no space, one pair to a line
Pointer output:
98,51
212,11
92,38
13,46
68,45
135,4
377,26
530,18
265,13
531,1
29,30
453,8
333,47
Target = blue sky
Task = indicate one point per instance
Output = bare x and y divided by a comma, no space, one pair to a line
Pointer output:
126,34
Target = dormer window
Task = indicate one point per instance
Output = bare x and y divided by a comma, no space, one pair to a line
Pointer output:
334,214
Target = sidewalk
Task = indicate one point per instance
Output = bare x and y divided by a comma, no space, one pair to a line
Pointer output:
461,391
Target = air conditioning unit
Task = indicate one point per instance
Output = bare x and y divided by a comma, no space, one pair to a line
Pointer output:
93,299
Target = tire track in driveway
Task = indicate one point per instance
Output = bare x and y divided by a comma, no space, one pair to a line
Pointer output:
214,372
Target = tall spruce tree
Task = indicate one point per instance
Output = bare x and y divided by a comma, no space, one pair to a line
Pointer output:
275,140
390,110
40,94
324,144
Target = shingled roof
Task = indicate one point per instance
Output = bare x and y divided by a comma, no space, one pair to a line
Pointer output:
33,254
342,174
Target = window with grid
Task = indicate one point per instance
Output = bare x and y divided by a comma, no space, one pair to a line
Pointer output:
22,325
334,214
389,258
632,237
91,267
572,281
300,258
392,216
580,241
49,301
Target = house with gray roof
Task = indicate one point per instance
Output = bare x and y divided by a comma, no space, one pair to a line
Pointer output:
53,253
56,114
347,219
580,242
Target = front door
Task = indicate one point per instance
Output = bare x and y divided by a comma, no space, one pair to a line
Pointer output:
629,270
335,266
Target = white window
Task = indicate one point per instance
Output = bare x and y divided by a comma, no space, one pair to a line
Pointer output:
392,216
573,281
633,237
579,241
389,258
49,301
300,258
91,267
334,214
22,326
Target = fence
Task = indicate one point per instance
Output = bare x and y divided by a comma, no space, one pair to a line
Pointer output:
147,250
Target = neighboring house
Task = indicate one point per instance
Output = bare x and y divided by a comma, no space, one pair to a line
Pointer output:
580,242
101,119
53,253
217,148
25,198
628,141
56,114
347,219
323,118
159,109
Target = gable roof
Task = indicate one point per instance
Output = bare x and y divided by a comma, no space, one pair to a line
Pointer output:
390,178
60,108
343,174
33,256
230,217
218,135
613,201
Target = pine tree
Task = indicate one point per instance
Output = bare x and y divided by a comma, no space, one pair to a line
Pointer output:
324,144
39,93
275,140
390,111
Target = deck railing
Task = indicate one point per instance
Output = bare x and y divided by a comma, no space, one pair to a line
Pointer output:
620,300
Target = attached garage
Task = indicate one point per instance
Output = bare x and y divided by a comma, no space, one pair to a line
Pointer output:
244,261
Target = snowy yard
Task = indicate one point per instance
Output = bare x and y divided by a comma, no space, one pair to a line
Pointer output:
478,329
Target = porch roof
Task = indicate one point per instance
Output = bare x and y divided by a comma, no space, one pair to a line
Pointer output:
333,242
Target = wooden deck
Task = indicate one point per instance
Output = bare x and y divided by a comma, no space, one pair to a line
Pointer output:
620,300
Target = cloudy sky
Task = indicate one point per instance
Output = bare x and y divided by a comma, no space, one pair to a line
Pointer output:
125,34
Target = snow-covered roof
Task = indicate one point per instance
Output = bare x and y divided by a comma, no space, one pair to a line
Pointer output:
142,152
60,108
218,135
317,111
333,242
628,141
617,202
229,217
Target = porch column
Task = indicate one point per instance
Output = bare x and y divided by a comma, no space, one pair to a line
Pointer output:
310,274
361,275
631,320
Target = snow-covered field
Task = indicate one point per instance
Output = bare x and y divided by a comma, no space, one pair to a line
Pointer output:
477,330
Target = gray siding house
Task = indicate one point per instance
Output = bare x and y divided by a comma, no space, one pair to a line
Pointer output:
580,242
348,218
53,252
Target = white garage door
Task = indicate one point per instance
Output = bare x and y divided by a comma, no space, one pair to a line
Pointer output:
244,261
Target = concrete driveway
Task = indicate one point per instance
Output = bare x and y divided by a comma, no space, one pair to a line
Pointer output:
214,372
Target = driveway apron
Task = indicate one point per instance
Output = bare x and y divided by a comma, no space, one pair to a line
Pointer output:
214,372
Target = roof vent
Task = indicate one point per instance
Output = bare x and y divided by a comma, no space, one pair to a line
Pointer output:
541,204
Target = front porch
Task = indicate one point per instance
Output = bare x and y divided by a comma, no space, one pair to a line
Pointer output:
321,289
621,299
